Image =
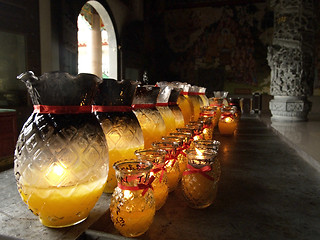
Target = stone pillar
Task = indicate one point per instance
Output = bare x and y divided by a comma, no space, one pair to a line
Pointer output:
96,49
291,59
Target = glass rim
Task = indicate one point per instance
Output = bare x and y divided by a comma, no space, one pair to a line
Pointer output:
145,165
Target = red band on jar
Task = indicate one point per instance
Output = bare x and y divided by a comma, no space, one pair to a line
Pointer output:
61,109
202,171
139,106
97,108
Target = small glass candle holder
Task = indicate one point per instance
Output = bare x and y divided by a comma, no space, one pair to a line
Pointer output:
160,183
211,113
207,127
207,145
199,181
227,122
187,137
171,162
132,206
181,150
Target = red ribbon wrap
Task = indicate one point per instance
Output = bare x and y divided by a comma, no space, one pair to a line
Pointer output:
137,106
159,168
140,186
61,109
162,104
202,171
97,108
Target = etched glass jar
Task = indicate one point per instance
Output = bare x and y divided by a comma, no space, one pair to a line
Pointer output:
181,150
184,102
204,98
227,122
173,105
194,97
171,162
120,125
160,183
163,107
132,206
144,107
61,156
210,145
199,182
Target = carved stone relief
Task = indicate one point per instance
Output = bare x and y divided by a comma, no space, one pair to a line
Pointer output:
291,59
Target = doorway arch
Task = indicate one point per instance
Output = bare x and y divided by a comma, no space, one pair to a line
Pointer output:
111,58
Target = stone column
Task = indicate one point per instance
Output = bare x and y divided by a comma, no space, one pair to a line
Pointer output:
291,59
96,49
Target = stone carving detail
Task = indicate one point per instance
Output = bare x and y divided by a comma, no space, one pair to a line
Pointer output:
291,71
291,107
291,59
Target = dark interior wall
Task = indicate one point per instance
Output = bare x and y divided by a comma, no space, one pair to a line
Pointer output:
22,17
220,46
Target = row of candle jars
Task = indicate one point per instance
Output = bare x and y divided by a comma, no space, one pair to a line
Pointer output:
182,157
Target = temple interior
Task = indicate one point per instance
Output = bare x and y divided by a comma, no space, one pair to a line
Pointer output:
264,55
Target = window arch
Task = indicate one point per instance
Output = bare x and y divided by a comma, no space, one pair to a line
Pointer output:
102,61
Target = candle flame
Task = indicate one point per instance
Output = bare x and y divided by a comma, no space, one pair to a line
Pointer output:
58,170
127,194
199,153
228,119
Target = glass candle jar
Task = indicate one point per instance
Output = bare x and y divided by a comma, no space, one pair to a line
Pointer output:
61,156
120,125
132,206
160,183
163,107
207,127
210,145
181,150
144,107
212,113
173,105
184,102
196,101
199,181
227,122
171,163
204,98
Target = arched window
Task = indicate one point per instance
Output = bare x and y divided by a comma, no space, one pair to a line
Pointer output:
97,43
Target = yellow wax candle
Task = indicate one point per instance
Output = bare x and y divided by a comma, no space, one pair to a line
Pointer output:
131,214
62,206
168,118
227,126
173,174
114,156
199,191
152,125
183,161
160,190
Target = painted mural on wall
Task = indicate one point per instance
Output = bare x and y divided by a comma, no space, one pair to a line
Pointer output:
224,47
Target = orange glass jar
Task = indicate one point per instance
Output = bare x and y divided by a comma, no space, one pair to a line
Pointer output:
120,125
132,206
196,101
173,105
199,182
160,183
144,107
163,107
204,98
171,162
184,102
227,122
181,150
